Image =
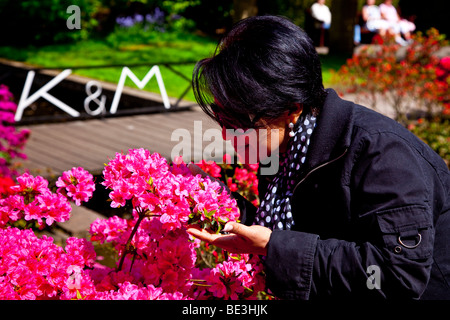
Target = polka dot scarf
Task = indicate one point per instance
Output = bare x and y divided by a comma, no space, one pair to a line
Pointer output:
275,210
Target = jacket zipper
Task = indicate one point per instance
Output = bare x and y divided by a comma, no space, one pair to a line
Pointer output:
319,167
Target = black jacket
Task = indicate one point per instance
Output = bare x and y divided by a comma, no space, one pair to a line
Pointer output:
371,212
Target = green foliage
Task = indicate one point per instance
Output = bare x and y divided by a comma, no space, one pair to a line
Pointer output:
435,133
330,63
128,46
295,10
44,21
124,50
210,16
178,6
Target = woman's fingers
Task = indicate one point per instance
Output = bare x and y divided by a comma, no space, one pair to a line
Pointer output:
241,238
202,234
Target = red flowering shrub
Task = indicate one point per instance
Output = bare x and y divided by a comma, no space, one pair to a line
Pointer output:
241,178
419,79
5,183
443,77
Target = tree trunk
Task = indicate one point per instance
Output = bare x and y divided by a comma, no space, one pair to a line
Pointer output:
243,9
344,14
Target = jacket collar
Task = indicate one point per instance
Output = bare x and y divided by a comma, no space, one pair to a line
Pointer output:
332,135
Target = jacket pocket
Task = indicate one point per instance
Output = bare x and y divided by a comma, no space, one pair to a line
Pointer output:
407,231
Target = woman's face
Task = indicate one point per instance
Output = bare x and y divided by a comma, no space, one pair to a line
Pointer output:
255,145
265,142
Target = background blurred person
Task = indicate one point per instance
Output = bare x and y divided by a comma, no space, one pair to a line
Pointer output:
400,26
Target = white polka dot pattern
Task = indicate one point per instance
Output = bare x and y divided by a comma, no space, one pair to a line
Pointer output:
275,211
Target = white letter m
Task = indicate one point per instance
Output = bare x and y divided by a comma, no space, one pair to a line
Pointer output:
126,72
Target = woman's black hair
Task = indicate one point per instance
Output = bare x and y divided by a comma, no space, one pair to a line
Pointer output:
263,67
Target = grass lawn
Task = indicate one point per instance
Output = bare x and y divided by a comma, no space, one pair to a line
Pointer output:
128,49
331,62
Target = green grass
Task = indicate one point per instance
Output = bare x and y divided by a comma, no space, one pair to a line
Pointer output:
331,62
123,51
132,47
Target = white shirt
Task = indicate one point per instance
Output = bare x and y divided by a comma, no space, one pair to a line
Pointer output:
321,12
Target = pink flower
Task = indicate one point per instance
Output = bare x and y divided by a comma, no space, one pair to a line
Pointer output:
32,200
226,159
158,259
110,230
36,268
77,184
52,207
30,185
445,63
12,140
232,186
81,251
211,168
5,184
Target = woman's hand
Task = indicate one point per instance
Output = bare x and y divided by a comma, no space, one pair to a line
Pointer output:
241,238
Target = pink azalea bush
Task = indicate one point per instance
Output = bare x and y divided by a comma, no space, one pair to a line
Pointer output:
35,268
12,141
156,258
31,199
76,184
170,192
241,178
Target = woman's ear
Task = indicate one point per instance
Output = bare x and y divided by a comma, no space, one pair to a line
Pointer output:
299,109
295,114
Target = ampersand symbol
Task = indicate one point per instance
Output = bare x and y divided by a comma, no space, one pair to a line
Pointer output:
93,97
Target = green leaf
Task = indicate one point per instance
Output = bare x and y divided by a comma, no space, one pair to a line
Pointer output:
209,214
5,156
222,220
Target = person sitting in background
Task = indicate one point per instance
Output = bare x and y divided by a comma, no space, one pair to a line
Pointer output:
398,25
371,21
321,12
322,20
371,14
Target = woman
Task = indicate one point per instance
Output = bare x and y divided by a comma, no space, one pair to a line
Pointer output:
359,206
372,16
397,24
321,12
